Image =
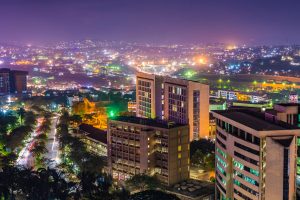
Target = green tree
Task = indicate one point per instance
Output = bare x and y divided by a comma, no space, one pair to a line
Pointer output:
141,182
198,159
153,195
21,113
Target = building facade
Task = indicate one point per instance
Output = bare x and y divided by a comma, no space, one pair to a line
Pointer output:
140,145
255,157
95,139
289,113
12,81
131,106
181,101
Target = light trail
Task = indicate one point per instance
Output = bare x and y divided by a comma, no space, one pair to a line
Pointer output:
25,152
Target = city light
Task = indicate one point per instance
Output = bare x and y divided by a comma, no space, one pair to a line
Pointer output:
138,100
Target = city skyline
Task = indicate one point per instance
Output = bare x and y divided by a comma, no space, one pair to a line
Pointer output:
131,99
255,22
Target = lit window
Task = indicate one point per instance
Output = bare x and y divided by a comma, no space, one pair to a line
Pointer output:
179,155
179,148
174,108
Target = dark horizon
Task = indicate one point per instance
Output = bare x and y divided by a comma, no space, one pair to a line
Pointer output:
161,22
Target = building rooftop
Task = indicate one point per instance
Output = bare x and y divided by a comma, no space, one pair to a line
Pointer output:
271,111
254,120
147,122
288,104
193,189
94,133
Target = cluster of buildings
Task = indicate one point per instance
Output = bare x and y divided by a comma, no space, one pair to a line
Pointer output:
256,150
169,114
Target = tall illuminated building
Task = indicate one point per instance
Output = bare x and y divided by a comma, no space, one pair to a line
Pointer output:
12,81
181,101
255,156
289,113
4,81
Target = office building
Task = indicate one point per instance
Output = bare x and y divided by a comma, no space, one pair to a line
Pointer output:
141,145
212,126
13,81
181,101
95,139
255,156
131,106
286,112
289,113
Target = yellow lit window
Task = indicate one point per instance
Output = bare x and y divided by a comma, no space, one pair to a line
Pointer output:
179,155
174,108
179,148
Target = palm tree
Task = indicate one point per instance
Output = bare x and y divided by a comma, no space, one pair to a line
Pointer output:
141,182
41,138
39,149
30,119
21,112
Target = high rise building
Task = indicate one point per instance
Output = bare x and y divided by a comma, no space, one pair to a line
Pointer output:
289,113
13,81
255,157
141,145
181,101
4,81
286,112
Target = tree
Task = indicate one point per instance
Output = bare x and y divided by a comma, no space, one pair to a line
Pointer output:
41,138
38,151
30,119
8,121
204,161
206,146
21,113
198,159
121,194
141,182
209,160
153,195
76,119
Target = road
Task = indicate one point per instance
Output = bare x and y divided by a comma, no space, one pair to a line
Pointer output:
25,158
52,144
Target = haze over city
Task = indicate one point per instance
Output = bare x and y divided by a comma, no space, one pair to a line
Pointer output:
161,22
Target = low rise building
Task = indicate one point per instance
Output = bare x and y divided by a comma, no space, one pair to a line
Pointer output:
94,139
140,145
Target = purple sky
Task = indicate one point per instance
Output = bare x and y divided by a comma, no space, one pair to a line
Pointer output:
159,21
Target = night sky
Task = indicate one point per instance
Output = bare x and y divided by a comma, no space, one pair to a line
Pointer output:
155,21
